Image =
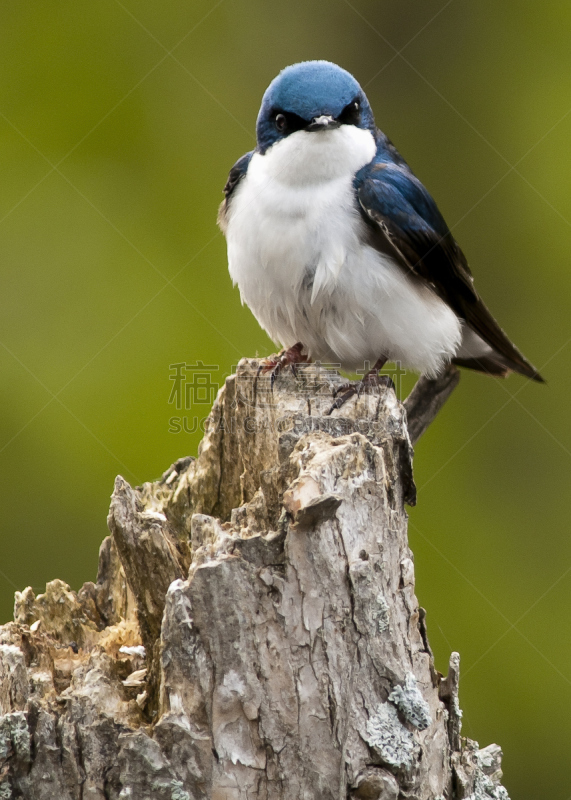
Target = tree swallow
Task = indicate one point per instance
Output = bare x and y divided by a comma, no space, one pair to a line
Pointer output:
338,249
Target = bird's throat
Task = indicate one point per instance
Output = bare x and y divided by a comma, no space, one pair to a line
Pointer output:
308,158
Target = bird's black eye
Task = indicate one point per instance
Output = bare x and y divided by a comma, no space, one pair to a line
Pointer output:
287,122
351,113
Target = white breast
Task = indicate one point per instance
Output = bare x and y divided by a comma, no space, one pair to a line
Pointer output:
296,250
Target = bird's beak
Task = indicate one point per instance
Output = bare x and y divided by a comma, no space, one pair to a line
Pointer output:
322,123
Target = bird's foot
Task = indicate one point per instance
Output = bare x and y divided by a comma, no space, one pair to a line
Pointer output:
290,357
369,384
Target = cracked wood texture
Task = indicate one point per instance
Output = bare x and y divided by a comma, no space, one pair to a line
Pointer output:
254,631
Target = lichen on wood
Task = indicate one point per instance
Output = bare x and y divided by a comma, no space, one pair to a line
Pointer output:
253,631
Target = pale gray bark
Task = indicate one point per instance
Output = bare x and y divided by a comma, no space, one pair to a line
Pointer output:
271,584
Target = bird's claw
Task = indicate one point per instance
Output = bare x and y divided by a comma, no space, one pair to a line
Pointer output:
370,382
292,357
341,400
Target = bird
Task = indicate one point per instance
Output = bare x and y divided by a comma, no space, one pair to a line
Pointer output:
339,250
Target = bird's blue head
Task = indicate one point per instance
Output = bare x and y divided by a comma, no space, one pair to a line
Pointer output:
311,96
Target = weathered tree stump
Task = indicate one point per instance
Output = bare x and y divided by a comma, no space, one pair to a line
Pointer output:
253,631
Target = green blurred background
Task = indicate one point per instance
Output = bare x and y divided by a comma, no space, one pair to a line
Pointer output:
119,122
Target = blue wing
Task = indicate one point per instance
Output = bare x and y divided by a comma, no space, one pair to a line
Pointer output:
236,174
404,221
404,214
